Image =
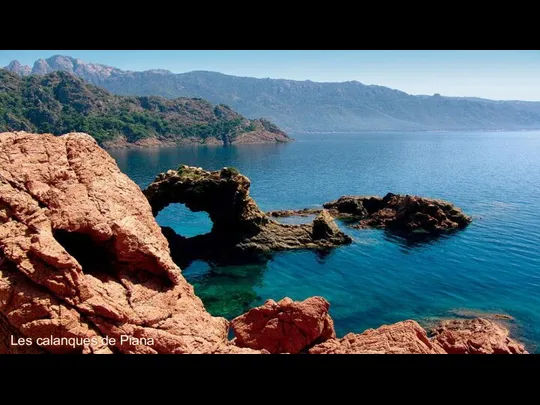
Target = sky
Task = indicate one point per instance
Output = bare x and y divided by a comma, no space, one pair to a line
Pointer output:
499,75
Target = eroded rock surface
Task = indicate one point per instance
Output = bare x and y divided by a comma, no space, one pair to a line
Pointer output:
285,326
456,336
240,228
475,336
402,214
111,275
305,326
406,337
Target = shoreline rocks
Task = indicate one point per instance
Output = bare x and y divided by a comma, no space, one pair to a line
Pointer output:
406,337
305,212
475,336
285,326
305,326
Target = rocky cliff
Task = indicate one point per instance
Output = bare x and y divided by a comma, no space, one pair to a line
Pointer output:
84,268
82,256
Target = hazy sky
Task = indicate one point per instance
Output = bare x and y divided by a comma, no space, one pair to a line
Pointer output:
502,75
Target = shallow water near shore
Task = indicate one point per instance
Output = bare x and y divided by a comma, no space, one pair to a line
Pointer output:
492,266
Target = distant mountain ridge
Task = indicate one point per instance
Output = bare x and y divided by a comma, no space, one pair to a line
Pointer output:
60,102
306,106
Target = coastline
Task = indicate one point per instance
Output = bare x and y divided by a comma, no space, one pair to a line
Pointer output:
154,143
150,143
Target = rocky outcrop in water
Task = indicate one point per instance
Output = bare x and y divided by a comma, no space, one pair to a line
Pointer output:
475,336
83,258
240,229
405,215
286,326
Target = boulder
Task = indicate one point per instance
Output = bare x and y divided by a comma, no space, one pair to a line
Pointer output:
285,326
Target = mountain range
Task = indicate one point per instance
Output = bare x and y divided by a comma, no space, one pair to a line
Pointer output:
59,102
305,106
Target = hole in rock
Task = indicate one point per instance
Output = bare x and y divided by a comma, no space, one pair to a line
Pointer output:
91,255
184,221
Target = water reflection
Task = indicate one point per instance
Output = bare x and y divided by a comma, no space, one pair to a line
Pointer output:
415,241
143,165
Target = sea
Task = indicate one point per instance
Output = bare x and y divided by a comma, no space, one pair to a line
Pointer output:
491,267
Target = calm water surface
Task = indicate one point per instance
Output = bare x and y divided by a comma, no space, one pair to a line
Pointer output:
492,266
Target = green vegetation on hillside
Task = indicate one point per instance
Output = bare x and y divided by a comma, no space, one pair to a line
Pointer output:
305,106
58,103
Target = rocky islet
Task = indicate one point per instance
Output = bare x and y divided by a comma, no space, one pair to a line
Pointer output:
408,216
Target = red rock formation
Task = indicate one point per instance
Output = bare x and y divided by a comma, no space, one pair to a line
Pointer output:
84,268
112,275
406,337
286,326
475,336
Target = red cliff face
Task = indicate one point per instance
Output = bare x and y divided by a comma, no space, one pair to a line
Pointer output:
82,256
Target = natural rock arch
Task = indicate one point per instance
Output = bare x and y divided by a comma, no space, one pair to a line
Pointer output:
240,229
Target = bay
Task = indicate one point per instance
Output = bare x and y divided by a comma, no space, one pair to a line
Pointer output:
492,266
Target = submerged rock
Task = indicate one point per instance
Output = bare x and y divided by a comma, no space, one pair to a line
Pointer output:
286,326
475,336
405,215
240,229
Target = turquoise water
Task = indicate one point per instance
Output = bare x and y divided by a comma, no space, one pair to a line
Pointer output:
493,265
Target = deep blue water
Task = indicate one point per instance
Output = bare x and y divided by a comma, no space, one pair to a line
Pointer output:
492,266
